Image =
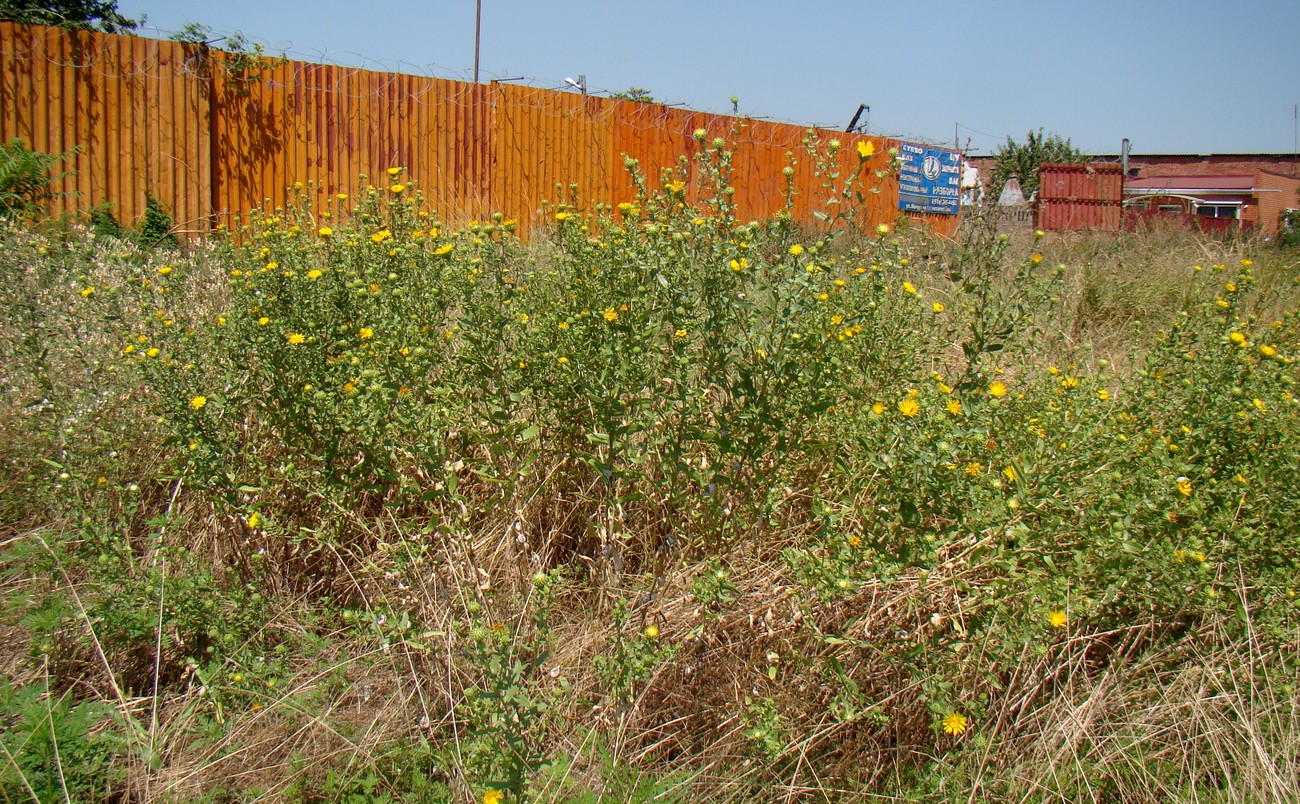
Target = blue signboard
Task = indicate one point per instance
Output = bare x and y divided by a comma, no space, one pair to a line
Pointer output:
929,179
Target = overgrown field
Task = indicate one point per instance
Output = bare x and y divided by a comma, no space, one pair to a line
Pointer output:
361,505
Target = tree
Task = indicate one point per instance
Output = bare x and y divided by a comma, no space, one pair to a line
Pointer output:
86,15
1021,160
634,94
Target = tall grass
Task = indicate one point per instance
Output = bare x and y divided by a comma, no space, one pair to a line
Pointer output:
356,505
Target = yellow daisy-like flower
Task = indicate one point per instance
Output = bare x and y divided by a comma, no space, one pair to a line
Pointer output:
1103,394
866,148
1070,382
562,216
397,188
1266,350
1237,338
652,631
1010,474
254,519
445,248
739,265
997,390
796,250
1057,619
937,307
1184,486
314,274
953,406
1037,258
381,236
325,231
295,338
611,315
366,333
153,352
877,408
87,292
973,469
198,402
909,407
908,287
394,171
492,797
164,270
882,229
955,723
681,333
263,321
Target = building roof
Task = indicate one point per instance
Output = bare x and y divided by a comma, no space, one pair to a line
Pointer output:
1235,185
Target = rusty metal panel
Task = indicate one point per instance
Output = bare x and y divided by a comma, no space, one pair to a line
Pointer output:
1080,196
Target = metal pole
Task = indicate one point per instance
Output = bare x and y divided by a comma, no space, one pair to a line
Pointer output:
478,29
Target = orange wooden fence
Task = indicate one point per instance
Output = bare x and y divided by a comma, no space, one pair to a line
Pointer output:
213,140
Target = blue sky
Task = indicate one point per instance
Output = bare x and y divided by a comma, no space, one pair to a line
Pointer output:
1174,77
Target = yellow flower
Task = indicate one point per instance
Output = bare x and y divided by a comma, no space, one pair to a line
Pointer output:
397,188
908,287
295,338
652,631
366,333
445,248
153,352
562,216
877,408
314,274
164,270
1010,474
1184,486
263,321
1070,382
909,407
198,402
492,797
997,390
393,171
254,519
865,149
342,196
1037,258
611,315
954,407
681,333
882,229
739,265
325,231
1266,350
381,236
1230,287
675,186
954,723
1103,394
1237,338
1057,619
1221,302
562,360
973,469
796,250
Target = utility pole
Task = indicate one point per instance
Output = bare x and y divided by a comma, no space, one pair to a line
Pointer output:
478,29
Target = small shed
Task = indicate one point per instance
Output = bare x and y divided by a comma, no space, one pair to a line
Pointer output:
1251,201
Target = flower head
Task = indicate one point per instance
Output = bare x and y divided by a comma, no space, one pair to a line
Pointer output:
1184,486
865,149
909,407
652,631
366,333
492,797
295,338
610,314
1057,619
198,402
997,390
955,723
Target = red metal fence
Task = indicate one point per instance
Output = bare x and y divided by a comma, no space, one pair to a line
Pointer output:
1086,196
